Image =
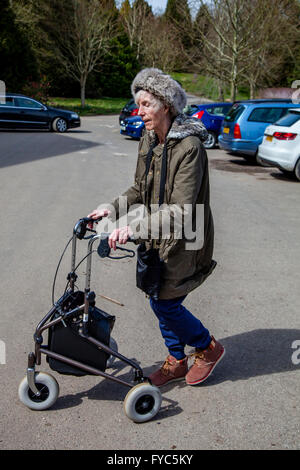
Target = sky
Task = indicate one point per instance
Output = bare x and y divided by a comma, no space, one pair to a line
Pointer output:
157,5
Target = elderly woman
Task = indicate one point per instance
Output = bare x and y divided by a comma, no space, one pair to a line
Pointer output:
161,101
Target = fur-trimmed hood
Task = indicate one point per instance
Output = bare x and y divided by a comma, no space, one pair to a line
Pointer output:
184,126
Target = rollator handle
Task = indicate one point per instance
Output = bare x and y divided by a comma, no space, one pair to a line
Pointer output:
80,228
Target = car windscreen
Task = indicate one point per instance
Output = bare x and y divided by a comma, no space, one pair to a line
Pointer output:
234,112
269,114
218,110
289,119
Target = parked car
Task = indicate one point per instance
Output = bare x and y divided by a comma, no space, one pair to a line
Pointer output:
244,125
21,112
132,127
212,116
130,109
281,144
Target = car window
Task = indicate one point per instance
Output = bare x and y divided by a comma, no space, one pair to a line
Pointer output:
289,119
234,112
266,114
27,103
7,101
218,110
190,109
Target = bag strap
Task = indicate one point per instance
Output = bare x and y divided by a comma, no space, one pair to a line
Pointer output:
148,163
163,175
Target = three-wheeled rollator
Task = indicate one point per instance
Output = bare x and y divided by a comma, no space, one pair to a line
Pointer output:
80,342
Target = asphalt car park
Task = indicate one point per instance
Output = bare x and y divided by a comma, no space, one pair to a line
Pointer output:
251,302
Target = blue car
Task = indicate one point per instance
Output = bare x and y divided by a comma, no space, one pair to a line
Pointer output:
132,127
244,126
212,116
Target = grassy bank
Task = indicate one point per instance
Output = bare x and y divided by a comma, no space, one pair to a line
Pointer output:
92,106
205,86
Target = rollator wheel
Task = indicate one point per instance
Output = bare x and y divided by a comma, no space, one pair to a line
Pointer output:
114,346
142,402
47,386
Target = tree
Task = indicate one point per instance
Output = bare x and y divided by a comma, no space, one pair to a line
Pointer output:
119,68
179,21
17,59
160,45
79,33
135,20
240,38
268,55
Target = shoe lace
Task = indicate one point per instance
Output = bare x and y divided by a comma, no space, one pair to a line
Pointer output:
199,356
166,367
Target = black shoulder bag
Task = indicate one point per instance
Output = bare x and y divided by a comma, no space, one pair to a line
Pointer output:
149,268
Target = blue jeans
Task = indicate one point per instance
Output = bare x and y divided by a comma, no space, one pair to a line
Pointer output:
179,327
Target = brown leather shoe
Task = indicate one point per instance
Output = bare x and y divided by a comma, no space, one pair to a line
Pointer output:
205,362
171,371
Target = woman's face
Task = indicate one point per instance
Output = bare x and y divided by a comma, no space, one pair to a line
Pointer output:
152,111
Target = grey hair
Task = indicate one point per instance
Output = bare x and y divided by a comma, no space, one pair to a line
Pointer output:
162,86
155,101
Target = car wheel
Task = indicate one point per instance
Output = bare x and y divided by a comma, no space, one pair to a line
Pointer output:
211,140
60,125
297,170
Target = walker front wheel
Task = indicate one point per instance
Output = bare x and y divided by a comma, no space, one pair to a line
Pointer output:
48,388
142,402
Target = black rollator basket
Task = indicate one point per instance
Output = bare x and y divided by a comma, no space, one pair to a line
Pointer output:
68,340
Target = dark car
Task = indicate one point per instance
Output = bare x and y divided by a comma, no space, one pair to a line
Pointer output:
21,112
212,116
130,109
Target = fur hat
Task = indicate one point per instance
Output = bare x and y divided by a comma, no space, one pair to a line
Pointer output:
162,86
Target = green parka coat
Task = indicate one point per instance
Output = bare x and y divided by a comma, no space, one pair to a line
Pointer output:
187,185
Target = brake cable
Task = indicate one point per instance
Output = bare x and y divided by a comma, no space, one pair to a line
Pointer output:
54,280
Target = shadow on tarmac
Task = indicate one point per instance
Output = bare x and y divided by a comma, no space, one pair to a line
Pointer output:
39,145
255,353
250,354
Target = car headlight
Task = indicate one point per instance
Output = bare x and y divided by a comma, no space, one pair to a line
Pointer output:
137,123
74,116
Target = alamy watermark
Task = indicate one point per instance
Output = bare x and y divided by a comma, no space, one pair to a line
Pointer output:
2,92
296,93
2,352
296,353
165,222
